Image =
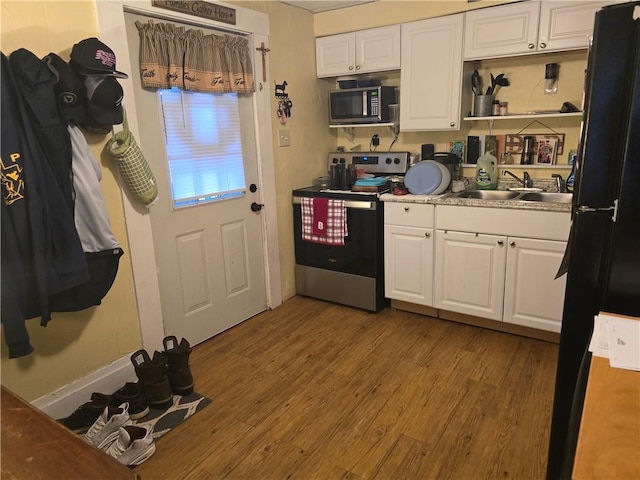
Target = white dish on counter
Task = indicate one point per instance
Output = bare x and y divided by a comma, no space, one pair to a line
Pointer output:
427,178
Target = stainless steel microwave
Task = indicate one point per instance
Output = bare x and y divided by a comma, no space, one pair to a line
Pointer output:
361,105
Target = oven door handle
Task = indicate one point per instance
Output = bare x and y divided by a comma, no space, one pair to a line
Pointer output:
355,204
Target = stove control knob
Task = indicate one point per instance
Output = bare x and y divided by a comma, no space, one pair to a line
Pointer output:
388,161
396,160
342,160
334,160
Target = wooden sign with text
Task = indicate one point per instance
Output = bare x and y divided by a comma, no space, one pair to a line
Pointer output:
199,9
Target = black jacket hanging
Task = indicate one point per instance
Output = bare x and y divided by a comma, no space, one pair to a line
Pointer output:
41,251
36,83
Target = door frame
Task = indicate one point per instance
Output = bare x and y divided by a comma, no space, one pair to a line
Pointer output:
111,27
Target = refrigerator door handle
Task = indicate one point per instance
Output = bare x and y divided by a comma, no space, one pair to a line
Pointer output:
613,208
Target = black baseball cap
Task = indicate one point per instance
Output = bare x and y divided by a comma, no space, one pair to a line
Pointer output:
92,57
69,89
104,101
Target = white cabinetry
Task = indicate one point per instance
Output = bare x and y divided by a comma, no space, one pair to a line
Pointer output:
365,51
408,252
529,27
470,273
533,297
501,264
431,74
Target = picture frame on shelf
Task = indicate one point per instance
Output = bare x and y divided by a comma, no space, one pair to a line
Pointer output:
546,151
513,142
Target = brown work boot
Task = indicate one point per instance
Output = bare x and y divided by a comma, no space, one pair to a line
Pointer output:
152,374
179,372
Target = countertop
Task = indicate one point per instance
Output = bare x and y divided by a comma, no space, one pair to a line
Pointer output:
609,439
451,199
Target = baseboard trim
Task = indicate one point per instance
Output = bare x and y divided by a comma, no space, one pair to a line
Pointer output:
108,379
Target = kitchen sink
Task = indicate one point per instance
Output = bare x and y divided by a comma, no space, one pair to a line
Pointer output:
489,194
547,197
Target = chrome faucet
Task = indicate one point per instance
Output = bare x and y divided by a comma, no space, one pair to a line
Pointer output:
559,182
526,180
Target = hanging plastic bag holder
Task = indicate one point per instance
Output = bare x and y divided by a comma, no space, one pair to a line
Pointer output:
132,164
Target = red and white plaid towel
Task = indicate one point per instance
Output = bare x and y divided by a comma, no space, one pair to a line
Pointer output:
334,226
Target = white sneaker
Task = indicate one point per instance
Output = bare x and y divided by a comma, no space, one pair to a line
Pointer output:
105,429
133,446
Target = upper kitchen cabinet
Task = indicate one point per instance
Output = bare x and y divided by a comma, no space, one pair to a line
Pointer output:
431,74
365,51
529,27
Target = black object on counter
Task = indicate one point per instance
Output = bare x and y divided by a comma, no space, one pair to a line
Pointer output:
528,150
428,150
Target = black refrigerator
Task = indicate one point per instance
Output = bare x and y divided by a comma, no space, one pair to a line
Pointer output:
603,253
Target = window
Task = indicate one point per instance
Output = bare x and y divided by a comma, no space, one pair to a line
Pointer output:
203,145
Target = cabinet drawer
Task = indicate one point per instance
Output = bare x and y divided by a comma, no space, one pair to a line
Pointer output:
513,222
408,214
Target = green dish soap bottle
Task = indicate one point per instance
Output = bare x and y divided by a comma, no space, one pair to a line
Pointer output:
487,172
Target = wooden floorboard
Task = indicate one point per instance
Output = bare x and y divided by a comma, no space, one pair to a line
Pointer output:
314,390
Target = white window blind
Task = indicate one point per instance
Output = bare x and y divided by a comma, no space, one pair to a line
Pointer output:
203,145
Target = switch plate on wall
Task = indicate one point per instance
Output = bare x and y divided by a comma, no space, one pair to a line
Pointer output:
283,137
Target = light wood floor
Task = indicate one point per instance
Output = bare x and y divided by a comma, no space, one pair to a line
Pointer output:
313,390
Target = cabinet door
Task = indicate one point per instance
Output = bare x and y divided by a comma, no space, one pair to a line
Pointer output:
566,25
431,74
501,31
335,55
378,49
533,297
469,273
408,264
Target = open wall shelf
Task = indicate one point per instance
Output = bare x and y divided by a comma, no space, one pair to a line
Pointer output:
532,116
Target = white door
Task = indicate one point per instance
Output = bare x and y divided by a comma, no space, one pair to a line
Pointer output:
533,296
501,31
431,74
408,264
469,274
335,55
378,49
210,256
566,25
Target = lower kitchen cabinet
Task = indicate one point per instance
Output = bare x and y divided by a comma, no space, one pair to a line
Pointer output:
500,264
408,252
533,297
469,273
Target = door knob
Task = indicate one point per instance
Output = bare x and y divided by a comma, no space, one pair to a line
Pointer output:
427,234
530,46
500,242
256,207
512,244
543,45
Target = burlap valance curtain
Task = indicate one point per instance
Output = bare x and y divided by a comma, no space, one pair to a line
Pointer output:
190,60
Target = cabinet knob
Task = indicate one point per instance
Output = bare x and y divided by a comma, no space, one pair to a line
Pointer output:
452,124
406,209
530,46
500,242
350,67
427,234
512,244
543,45
357,67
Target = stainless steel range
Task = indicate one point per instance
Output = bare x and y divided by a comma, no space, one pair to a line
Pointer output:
350,274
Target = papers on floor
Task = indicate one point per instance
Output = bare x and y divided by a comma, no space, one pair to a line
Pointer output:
617,337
